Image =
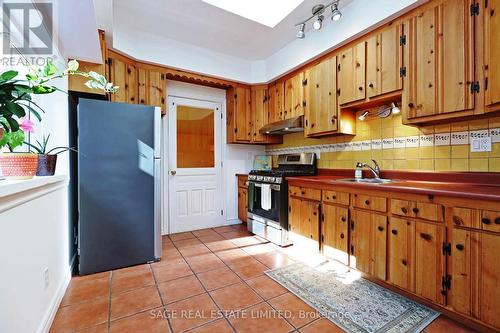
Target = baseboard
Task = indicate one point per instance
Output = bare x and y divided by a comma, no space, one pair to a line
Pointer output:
56,300
233,221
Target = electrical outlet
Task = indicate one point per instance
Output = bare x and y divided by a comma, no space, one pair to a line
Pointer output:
480,144
46,278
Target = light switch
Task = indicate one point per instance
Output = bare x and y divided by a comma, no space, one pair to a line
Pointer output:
480,144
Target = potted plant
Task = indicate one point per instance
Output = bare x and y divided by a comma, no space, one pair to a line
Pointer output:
47,159
16,102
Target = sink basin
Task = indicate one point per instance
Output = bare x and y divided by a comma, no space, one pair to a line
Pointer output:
367,180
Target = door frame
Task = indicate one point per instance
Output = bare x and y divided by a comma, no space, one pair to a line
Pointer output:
203,94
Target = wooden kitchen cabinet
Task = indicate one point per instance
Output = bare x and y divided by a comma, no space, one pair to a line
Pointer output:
321,110
369,243
351,73
335,232
401,238
276,101
294,96
303,220
429,261
491,16
238,115
156,89
439,63
489,292
118,70
242,198
384,57
417,209
142,86
260,112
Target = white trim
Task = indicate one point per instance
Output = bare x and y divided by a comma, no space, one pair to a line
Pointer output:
50,314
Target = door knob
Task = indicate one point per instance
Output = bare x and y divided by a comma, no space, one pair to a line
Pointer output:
173,172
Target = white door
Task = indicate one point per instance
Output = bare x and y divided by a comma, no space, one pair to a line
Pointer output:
195,178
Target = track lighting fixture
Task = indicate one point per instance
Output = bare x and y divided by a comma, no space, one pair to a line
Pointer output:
336,14
384,111
318,23
317,15
301,34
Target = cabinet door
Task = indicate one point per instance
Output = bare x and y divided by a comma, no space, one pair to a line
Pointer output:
243,114
132,85
277,101
294,96
464,249
401,252
492,51
361,231
294,205
490,275
259,112
242,204
142,82
439,61
334,232
429,261
351,73
321,112
383,61
119,78
379,257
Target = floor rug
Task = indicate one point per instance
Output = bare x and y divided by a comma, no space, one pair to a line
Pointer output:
351,302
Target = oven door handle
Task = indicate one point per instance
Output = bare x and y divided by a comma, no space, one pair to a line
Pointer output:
273,186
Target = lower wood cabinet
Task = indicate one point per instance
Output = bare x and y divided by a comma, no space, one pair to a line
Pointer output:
335,232
401,253
369,243
242,204
303,221
429,261
489,278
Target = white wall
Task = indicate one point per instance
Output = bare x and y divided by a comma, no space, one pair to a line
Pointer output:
33,236
237,158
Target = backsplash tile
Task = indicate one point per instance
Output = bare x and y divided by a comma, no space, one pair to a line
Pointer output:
443,147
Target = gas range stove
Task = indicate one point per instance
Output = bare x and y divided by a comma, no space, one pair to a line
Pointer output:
268,196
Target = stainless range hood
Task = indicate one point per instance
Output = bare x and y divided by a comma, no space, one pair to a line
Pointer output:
286,126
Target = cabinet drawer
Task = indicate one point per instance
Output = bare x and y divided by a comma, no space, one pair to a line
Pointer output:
465,217
490,220
401,207
340,198
304,192
378,204
423,210
242,182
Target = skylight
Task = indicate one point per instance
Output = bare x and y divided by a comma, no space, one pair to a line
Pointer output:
265,12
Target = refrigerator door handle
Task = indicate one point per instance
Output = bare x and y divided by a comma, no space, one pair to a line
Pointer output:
157,208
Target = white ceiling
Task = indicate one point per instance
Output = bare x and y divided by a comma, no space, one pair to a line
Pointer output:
200,24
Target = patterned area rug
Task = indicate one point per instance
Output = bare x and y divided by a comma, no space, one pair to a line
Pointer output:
351,302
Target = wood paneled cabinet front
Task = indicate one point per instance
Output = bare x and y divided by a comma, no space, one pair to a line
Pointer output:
276,92
304,222
335,232
491,14
351,73
242,198
438,70
294,96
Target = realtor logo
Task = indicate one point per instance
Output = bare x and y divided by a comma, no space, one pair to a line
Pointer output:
27,26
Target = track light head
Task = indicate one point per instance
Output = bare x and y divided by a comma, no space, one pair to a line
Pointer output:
395,109
301,34
318,24
363,116
336,14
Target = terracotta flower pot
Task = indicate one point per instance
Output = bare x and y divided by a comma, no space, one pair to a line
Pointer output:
46,165
18,165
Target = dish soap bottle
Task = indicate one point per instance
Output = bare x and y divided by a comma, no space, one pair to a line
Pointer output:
358,174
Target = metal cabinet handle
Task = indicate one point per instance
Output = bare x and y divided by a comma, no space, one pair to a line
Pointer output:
173,172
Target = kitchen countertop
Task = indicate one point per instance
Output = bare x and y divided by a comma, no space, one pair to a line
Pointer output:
449,189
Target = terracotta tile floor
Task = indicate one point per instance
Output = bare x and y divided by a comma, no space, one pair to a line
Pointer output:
208,280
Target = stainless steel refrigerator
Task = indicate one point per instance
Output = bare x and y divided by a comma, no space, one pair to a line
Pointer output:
119,185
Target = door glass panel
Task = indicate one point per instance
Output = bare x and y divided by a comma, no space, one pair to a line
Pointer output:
195,137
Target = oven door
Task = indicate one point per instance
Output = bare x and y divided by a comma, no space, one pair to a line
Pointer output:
255,201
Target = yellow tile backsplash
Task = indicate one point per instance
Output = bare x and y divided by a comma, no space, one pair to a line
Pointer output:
446,157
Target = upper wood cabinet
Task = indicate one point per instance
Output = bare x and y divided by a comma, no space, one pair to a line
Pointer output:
321,110
384,57
156,89
439,63
351,73
276,93
492,52
294,96
124,75
260,111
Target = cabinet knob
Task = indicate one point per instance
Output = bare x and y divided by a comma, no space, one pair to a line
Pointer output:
497,220
404,262
394,231
486,220
370,85
380,228
457,220
343,219
360,88
460,247
410,105
342,236
415,210
367,202
425,236
404,210
334,197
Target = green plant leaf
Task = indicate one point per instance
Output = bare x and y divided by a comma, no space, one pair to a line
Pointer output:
15,109
49,69
8,75
32,110
39,90
35,148
13,124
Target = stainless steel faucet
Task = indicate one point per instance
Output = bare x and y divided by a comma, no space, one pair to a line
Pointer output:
375,170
